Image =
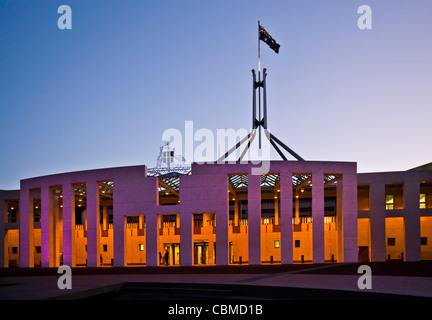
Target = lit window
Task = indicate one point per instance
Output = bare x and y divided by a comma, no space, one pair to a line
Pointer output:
422,200
329,219
141,247
276,243
389,202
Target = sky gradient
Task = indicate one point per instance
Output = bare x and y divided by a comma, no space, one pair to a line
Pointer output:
102,94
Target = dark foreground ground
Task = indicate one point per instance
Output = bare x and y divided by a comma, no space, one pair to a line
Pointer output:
414,269
391,281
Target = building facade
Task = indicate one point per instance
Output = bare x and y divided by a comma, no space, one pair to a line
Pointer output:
220,214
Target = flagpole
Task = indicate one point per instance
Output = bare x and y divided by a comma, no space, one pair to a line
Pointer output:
259,80
259,59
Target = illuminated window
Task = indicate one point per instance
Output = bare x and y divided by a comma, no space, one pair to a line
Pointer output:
329,219
141,247
276,243
422,200
389,202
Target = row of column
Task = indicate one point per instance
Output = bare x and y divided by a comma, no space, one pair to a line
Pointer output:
347,225
286,212
346,218
49,217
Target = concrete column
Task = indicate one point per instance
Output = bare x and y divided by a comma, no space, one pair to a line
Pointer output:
93,225
186,243
254,219
276,211
57,231
222,209
119,226
105,217
26,236
377,221
318,216
339,221
152,240
69,251
177,221
84,218
286,209
140,222
349,219
297,207
237,205
47,243
4,259
412,219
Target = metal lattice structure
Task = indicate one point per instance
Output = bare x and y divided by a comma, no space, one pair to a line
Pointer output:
169,183
156,172
238,183
106,192
270,180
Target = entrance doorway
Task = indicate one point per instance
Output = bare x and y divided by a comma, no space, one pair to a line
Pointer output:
363,254
201,253
171,255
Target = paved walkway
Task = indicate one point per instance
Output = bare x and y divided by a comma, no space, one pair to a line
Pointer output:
31,287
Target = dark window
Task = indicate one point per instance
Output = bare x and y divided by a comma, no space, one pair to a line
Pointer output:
132,219
36,214
423,241
14,250
105,247
391,241
38,249
297,243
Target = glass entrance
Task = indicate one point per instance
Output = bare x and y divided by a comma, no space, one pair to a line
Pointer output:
201,253
171,255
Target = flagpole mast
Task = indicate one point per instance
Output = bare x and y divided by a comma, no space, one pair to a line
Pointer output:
259,80
259,59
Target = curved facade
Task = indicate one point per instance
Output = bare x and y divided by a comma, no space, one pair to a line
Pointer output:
220,214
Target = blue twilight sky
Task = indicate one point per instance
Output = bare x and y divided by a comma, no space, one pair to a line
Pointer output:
102,94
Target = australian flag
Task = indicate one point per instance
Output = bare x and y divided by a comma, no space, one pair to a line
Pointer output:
264,36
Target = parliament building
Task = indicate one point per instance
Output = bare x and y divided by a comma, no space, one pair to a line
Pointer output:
218,214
